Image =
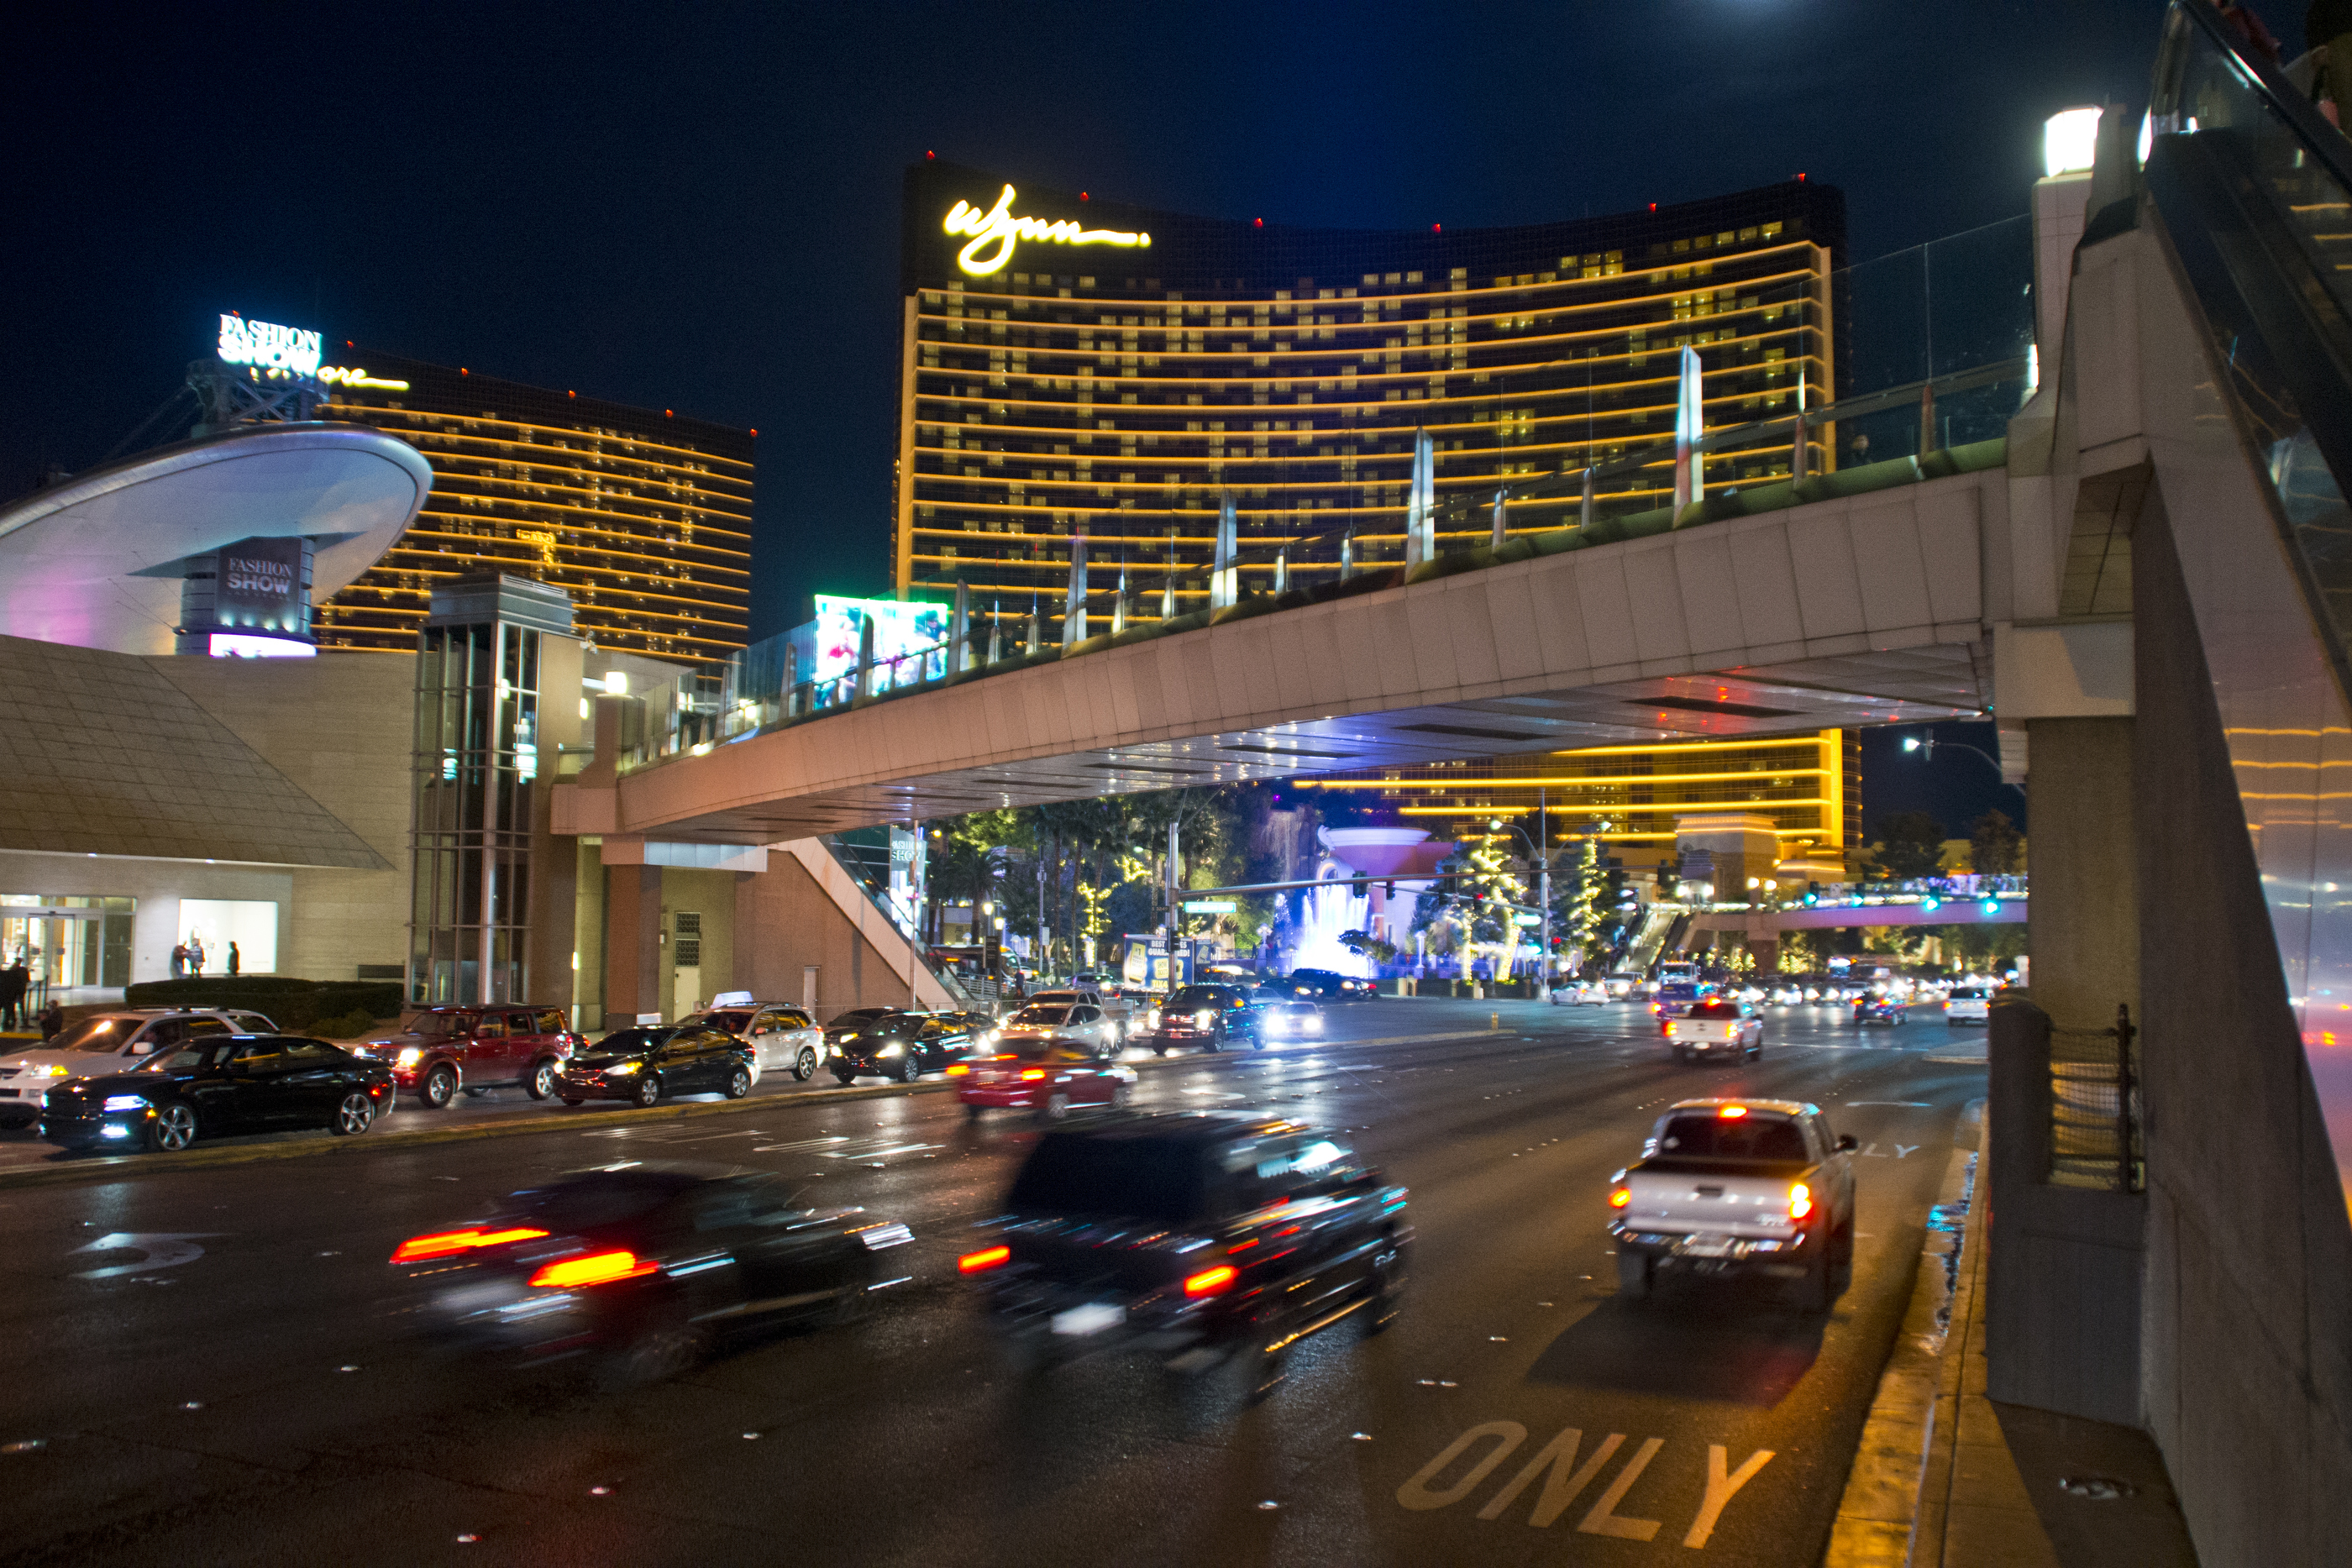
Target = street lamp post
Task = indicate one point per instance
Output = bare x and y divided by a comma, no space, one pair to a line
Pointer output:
1925,747
1543,879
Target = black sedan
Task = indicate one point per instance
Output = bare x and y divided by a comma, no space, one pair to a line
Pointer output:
641,1065
223,1084
1213,1240
901,1045
1328,982
1208,1016
639,1266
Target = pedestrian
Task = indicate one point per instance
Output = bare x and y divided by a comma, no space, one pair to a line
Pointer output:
16,980
196,955
53,1023
233,960
179,959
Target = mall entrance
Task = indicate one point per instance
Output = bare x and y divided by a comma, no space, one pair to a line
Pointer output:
76,949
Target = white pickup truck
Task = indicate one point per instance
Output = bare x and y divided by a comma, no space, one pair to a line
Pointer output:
1719,1026
1745,1186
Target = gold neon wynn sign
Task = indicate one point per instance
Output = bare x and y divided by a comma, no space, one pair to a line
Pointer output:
998,228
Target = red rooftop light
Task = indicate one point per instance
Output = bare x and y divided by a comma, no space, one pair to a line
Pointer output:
1437,228
1257,222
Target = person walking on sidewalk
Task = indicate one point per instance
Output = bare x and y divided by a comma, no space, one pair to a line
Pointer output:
16,980
234,960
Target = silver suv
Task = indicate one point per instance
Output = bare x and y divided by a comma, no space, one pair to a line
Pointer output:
110,1043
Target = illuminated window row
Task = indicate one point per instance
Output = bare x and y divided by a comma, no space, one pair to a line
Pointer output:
428,418
523,517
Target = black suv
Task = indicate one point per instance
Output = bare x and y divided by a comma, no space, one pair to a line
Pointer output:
1216,1240
883,1042
1205,1016
1328,982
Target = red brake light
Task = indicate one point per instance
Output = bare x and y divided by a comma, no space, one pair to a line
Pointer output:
1208,1281
1670,1029
1800,1200
957,1070
987,1258
449,1243
1620,1197
1031,1074
1732,1113
593,1269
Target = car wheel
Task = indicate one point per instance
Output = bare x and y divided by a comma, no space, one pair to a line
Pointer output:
910,1068
804,1065
664,1345
844,1074
1388,1284
739,1083
648,1090
354,1114
1637,1275
1255,1367
1820,1288
439,1088
971,1114
1159,1051
1056,1107
1120,1094
173,1129
541,1084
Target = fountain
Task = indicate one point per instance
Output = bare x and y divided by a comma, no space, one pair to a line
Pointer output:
1329,910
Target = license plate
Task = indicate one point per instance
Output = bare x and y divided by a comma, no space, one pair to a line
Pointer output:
1707,1249
1092,1318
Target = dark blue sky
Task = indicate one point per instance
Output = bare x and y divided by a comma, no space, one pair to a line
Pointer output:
697,206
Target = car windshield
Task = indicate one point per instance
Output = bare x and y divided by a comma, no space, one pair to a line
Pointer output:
1035,1017
1716,1137
1967,994
94,1034
1142,1178
631,1041
1197,997
1716,1010
442,1026
732,1020
600,1197
187,1059
859,1017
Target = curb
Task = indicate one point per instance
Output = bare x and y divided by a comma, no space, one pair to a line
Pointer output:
112,1167
1889,1494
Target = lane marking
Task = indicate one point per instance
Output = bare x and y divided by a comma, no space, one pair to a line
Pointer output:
1561,1488
1906,1105
1604,1521
1416,1493
1720,1487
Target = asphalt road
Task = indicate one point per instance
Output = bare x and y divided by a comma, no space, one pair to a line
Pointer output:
208,1364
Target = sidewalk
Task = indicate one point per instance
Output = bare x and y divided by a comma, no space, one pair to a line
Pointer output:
1945,1478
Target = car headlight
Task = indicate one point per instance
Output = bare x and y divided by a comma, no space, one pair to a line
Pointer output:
410,1056
45,1070
893,1049
624,1070
126,1102
1204,1019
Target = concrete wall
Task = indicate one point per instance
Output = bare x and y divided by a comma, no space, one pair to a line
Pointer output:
339,728
711,895
2248,1339
783,920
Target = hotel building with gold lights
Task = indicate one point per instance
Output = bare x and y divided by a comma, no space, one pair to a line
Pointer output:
1632,797
642,516
1072,364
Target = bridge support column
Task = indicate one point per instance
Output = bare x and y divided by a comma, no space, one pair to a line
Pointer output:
2068,1215
633,917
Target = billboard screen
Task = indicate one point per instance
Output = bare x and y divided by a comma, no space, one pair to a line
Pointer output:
899,629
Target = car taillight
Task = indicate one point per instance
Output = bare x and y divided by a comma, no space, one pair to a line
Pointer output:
1031,1074
594,1268
1732,1113
1800,1200
957,1070
1670,1029
449,1243
986,1259
1208,1281
1618,1197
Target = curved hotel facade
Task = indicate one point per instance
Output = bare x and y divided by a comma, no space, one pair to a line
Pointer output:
1071,365
643,517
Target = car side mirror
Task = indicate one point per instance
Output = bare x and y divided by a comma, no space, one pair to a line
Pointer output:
1845,1142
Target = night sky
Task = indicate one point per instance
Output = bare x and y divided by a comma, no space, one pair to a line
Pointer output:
697,206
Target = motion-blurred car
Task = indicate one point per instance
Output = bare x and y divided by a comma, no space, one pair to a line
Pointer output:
639,1266
219,1084
641,1065
1289,1019
887,1043
1869,1009
1969,1004
1050,1077
783,1039
1788,995
1205,1016
1116,1012
1332,984
1076,1023
1577,993
106,1043
445,1049
1209,1240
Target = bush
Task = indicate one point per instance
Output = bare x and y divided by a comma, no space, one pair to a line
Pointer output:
344,1026
296,1004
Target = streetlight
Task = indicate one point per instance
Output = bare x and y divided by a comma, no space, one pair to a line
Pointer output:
1925,745
1543,894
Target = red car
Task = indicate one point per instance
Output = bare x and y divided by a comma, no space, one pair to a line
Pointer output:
474,1049
1050,1077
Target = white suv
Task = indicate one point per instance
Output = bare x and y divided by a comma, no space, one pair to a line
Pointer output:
1969,1004
110,1043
